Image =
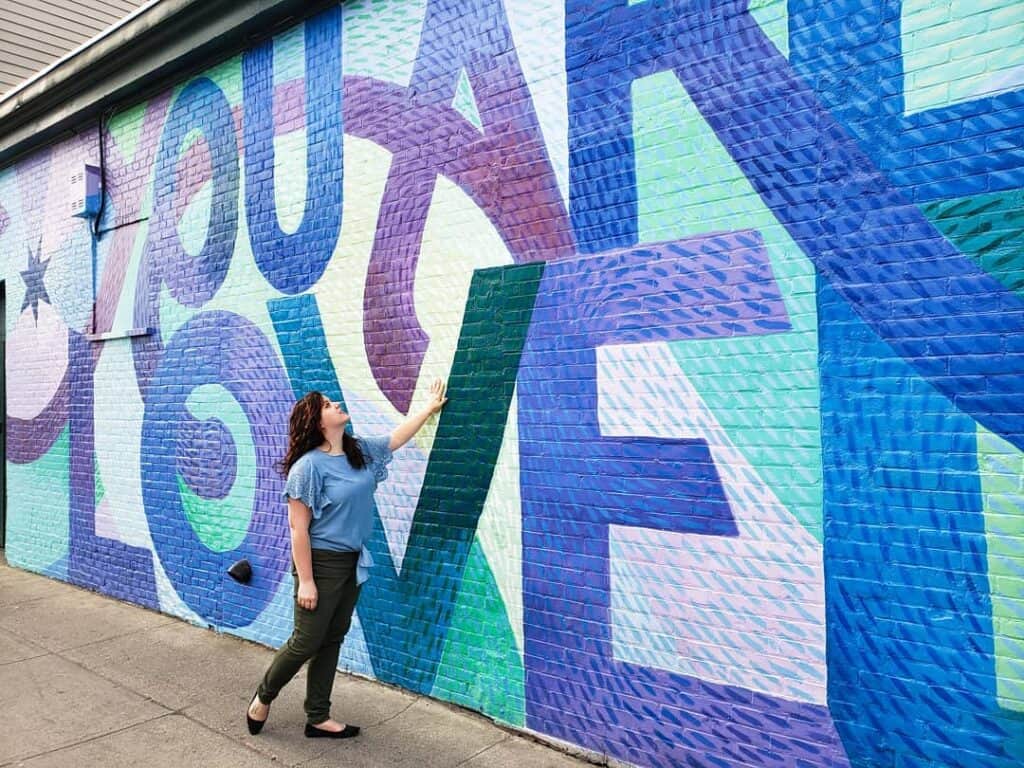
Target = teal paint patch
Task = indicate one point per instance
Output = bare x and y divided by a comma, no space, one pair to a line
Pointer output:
481,667
101,491
960,50
37,518
300,335
220,527
989,229
381,38
763,390
406,617
465,103
771,416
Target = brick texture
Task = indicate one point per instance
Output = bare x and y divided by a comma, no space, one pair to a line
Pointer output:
728,296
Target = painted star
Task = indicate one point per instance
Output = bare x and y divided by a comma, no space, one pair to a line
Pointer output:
33,277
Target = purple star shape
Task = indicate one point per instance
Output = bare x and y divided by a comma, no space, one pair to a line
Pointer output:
33,277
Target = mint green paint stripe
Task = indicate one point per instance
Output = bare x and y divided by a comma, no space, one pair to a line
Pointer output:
773,18
960,50
37,508
465,102
100,490
126,127
1001,469
290,55
381,38
480,666
989,229
763,390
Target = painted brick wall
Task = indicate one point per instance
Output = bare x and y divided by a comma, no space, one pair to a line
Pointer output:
730,300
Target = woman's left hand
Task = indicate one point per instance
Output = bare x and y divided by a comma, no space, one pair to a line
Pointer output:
437,398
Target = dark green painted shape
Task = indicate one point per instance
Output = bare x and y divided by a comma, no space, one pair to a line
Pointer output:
481,667
405,618
989,228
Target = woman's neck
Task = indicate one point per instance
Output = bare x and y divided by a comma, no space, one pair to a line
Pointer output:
333,441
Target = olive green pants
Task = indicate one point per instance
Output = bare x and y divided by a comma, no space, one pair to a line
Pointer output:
317,635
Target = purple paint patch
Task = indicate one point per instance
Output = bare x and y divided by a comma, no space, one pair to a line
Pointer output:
207,457
32,184
28,439
711,286
506,173
125,186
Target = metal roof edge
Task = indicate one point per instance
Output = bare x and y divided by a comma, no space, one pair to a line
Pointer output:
162,42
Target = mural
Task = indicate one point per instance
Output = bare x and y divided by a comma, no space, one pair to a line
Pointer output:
730,300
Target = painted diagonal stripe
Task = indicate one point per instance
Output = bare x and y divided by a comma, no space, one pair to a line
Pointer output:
406,617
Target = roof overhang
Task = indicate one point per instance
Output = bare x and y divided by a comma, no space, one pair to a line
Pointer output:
163,42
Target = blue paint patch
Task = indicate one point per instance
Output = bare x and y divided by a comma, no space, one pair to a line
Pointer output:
910,648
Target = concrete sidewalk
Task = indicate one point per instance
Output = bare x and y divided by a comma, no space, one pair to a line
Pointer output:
89,681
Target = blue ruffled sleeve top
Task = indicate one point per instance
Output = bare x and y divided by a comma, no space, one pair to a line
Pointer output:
341,497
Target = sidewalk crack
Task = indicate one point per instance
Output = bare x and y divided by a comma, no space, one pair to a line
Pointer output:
86,740
485,749
401,712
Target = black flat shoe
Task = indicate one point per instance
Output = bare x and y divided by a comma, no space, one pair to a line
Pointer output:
255,726
312,732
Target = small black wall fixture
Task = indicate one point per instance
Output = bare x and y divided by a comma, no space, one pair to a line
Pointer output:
241,571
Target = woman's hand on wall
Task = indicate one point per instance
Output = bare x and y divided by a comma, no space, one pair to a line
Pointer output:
437,398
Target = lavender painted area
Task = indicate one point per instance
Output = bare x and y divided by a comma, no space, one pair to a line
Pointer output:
32,185
28,439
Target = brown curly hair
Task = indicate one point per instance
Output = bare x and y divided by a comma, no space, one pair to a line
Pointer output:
304,434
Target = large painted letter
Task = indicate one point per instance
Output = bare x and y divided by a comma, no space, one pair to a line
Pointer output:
582,479
292,262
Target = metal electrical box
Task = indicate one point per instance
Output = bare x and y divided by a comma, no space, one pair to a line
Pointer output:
86,192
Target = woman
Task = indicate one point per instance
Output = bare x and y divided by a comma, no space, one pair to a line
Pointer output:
331,479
